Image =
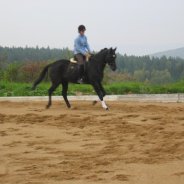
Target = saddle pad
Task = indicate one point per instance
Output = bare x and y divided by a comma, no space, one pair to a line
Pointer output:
72,60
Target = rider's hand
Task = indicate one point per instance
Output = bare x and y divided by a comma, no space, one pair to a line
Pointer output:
88,55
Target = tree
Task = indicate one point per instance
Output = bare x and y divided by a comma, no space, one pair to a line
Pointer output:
160,77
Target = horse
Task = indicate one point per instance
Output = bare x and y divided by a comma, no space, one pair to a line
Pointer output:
64,72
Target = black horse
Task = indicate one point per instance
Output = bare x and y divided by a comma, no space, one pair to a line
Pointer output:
63,72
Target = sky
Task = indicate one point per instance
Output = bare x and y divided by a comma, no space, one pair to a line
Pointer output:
137,27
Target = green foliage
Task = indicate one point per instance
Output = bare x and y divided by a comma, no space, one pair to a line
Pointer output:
139,75
149,69
24,89
11,72
22,72
160,77
32,54
24,65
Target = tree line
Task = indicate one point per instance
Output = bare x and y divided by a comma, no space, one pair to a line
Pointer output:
24,64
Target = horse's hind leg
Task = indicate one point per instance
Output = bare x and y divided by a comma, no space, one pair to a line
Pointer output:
50,91
64,93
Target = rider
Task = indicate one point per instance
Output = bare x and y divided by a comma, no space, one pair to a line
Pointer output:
81,51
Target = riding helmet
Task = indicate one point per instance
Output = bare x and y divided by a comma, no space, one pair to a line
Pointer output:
81,28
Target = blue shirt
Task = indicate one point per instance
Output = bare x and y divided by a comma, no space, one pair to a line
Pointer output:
81,45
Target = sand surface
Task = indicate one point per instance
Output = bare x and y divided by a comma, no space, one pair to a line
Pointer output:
141,143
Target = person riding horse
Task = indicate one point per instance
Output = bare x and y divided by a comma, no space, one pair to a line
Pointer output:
81,51
63,71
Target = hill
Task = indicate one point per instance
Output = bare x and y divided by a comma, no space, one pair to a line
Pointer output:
171,53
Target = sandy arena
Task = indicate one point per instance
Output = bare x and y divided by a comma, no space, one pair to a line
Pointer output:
133,143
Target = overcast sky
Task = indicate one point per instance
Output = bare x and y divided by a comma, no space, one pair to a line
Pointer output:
134,26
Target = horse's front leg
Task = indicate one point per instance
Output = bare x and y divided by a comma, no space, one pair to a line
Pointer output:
103,91
100,93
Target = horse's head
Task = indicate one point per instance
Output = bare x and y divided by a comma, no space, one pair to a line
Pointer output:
110,58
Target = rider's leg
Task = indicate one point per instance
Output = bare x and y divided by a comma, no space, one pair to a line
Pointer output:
80,60
81,73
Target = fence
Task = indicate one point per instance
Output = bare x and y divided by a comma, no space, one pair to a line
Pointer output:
123,98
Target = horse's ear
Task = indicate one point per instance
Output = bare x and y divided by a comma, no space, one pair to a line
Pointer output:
115,49
110,50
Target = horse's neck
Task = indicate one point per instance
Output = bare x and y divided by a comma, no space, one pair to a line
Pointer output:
99,61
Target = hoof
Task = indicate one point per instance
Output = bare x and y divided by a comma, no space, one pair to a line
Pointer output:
94,102
107,109
47,107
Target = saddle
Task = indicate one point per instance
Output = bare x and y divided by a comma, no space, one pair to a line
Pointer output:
73,60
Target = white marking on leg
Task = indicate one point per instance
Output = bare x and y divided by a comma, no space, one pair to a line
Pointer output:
104,105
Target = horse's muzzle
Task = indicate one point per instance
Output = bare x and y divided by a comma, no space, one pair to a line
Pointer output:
113,68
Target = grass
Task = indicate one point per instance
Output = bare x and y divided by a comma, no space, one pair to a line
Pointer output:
24,89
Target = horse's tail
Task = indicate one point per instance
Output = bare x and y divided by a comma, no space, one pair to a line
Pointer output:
41,77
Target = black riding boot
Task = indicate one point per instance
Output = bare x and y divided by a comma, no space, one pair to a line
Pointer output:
81,74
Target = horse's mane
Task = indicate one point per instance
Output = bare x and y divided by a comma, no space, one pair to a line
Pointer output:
99,53
105,49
